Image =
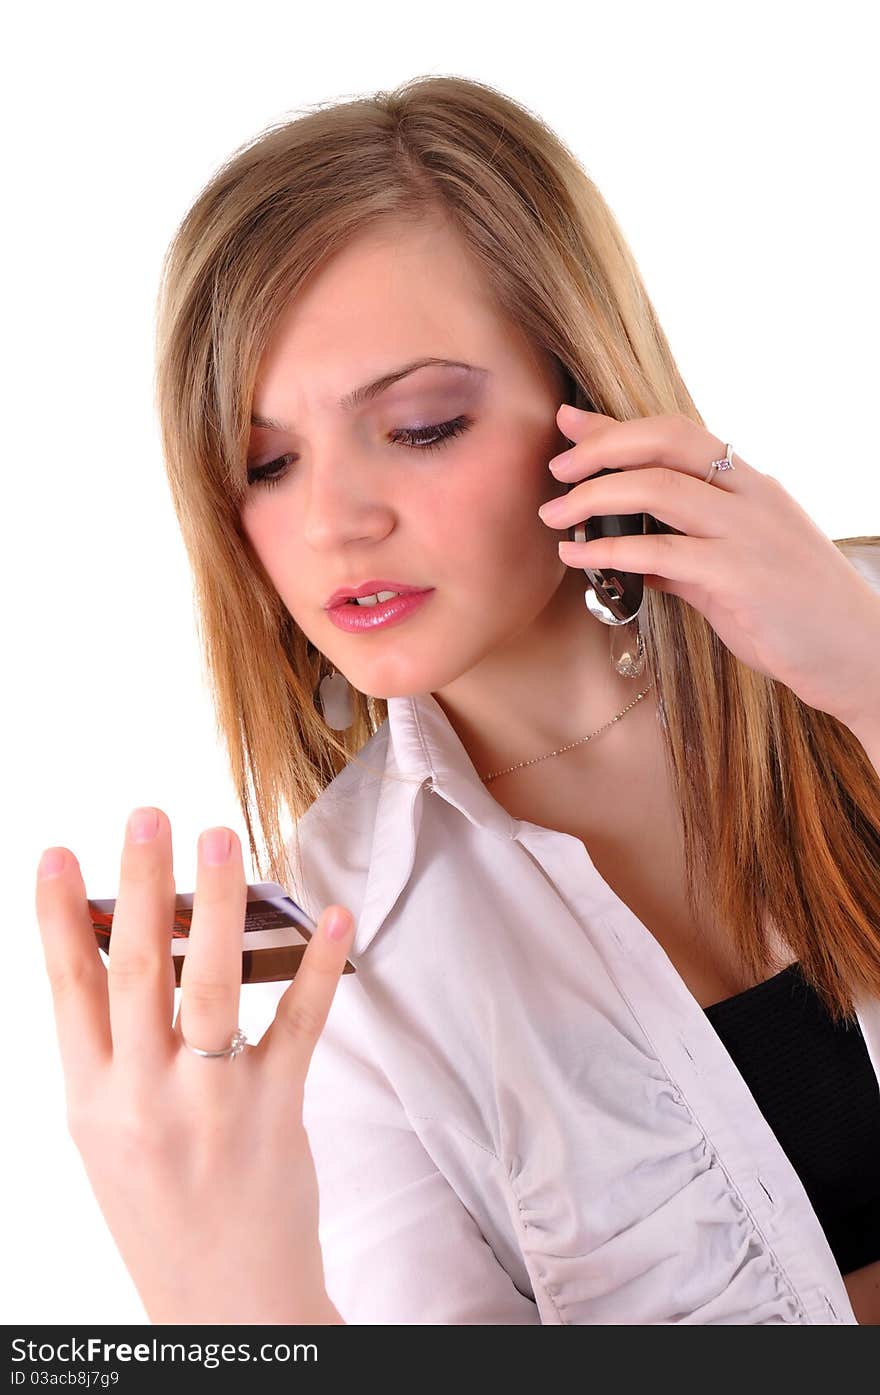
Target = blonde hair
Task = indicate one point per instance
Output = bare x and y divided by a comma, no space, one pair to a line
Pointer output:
780,805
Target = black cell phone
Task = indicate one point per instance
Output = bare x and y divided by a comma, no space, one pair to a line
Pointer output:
618,593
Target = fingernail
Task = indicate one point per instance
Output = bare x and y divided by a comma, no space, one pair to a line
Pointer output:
143,825
337,925
51,863
215,845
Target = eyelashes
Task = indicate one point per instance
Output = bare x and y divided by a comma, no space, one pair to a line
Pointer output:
421,438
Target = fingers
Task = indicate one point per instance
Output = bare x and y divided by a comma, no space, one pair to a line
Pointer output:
672,440
76,973
210,980
141,971
286,1046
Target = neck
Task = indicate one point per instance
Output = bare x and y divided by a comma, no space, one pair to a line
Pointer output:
551,684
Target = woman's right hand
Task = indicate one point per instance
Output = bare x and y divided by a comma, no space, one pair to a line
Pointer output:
201,1166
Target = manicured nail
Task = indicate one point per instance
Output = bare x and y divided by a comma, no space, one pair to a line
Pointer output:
51,863
570,551
337,925
216,845
561,459
143,825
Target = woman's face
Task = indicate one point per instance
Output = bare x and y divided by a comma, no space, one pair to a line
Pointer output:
353,502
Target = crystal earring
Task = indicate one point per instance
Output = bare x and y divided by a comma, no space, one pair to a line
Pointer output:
629,660
628,656
334,697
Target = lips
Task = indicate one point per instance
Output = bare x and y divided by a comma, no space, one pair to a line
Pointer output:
373,616
370,588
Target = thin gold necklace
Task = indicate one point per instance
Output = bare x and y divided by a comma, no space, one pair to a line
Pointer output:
519,765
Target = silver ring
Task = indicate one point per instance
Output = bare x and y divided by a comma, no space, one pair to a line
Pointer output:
237,1043
725,464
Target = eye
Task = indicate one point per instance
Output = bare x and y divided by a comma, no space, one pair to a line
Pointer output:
415,438
430,437
262,474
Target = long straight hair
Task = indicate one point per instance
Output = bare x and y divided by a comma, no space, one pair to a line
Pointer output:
780,805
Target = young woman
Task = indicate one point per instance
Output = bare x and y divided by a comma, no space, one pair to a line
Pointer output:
610,885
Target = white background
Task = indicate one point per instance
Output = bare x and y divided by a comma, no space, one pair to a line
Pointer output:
736,145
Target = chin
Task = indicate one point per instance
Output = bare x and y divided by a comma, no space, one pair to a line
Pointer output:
436,679
407,677
413,659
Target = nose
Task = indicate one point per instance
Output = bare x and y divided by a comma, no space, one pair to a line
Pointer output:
344,502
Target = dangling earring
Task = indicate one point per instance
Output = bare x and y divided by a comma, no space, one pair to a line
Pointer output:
629,659
334,697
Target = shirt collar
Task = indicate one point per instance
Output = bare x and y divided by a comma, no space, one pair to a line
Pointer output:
423,752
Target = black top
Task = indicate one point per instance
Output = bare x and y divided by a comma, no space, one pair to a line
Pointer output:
814,1083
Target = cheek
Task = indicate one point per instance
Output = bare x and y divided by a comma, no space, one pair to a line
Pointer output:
513,469
488,512
270,533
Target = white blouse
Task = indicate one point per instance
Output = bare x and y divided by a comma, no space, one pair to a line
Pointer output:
517,1110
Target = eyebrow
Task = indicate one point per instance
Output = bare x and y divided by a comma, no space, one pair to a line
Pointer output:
358,396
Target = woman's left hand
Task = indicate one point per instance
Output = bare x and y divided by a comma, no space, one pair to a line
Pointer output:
774,587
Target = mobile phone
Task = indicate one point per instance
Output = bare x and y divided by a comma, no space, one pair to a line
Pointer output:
613,596
276,932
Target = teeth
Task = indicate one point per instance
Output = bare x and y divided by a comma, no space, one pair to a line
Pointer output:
374,600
